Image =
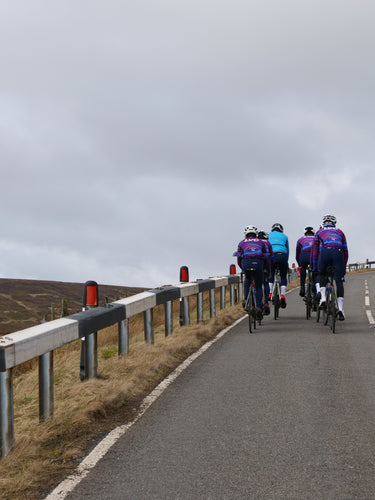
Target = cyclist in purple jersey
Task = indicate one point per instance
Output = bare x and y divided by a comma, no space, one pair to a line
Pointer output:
263,235
330,249
303,255
251,253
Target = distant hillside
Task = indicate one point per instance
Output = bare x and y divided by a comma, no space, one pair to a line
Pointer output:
25,303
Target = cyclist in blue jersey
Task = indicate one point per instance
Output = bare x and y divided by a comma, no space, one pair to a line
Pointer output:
251,253
303,255
280,246
330,249
263,235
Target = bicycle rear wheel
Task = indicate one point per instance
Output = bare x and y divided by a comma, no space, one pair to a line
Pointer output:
254,310
333,311
276,307
308,301
250,322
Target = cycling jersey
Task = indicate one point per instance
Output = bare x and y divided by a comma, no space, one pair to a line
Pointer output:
279,242
251,253
329,237
304,244
251,248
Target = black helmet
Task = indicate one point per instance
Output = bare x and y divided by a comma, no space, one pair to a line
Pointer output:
263,235
277,227
309,230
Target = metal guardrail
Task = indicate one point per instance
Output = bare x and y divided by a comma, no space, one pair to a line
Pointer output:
360,265
40,341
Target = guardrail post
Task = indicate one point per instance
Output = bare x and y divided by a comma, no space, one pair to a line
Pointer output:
123,337
91,356
222,297
149,326
46,389
240,291
199,307
168,318
6,412
89,344
212,303
184,302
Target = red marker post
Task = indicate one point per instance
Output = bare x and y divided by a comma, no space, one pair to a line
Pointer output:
184,302
233,270
89,345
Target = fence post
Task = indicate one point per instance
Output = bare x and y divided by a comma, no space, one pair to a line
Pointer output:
46,389
184,302
6,412
89,344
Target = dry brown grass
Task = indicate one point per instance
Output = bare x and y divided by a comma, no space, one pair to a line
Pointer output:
45,452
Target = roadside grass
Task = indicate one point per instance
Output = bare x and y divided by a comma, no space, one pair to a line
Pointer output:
44,453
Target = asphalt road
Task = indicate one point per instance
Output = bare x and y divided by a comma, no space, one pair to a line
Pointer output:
285,413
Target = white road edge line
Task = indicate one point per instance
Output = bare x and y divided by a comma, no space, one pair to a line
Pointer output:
67,486
367,305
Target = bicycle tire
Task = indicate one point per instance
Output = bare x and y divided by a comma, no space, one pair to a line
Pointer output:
250,322
333,311
276,307
326,309
308,301
254,309
276,300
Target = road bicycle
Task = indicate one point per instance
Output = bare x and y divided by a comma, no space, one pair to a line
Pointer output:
331,309
276,293
309,293
250,302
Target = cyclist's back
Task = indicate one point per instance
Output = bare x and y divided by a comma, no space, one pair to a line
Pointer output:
250,254
330,249
280,246
303,255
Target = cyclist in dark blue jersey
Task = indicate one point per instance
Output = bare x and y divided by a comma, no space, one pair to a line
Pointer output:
263,235
330,249
251,253
303,255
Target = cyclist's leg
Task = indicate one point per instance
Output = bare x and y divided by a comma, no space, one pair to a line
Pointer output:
271,279
257,265
339,276
283,264
266,288
323,263
304,262
246,265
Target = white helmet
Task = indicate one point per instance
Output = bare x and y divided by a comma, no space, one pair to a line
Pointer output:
329,219
250,230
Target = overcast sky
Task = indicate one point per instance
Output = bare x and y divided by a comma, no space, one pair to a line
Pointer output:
140,136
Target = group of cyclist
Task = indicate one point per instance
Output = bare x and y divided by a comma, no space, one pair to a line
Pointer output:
263,252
